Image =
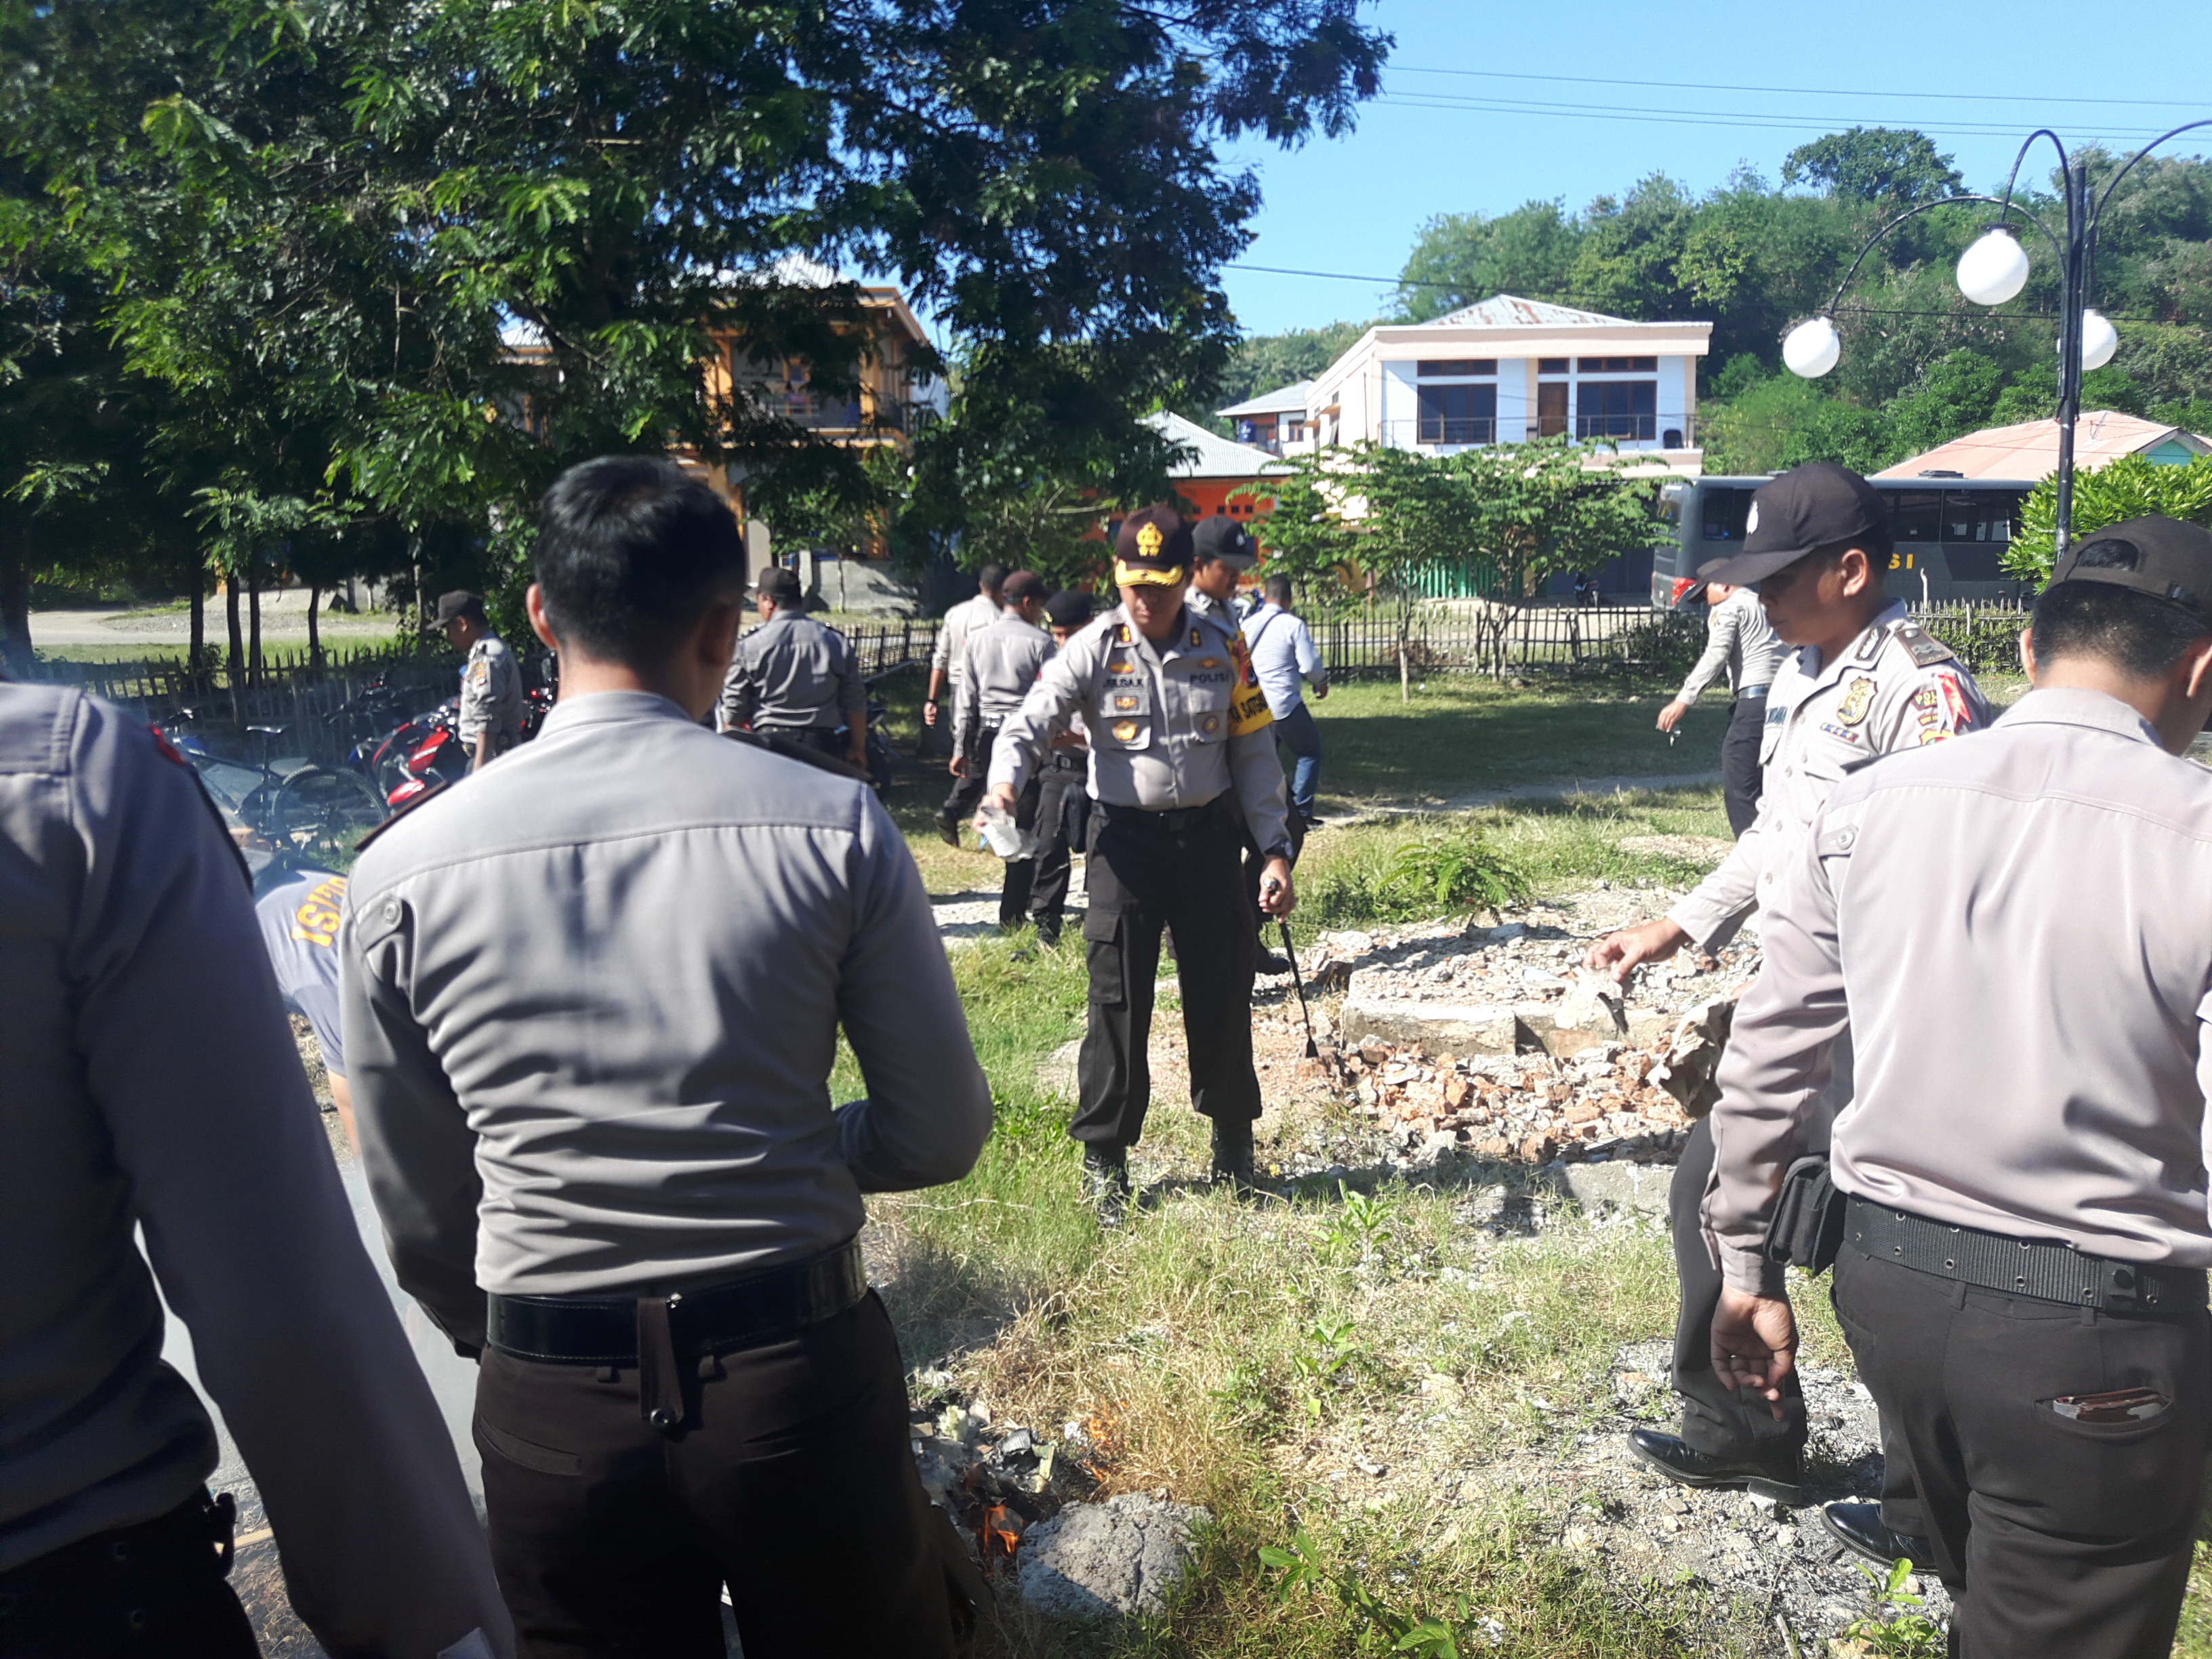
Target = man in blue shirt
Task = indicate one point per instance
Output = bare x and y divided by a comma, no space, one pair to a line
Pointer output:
1283,654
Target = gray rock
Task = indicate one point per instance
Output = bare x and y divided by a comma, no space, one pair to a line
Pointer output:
1639,1189
1093,1562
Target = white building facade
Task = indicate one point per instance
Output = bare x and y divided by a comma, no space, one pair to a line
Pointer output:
1508,370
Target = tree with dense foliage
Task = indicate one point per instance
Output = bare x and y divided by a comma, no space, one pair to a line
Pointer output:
2131,487
1891,167
394,266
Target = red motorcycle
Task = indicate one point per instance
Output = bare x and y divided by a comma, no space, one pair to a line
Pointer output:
428,750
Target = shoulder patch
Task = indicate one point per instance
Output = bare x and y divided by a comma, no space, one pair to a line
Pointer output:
1925,649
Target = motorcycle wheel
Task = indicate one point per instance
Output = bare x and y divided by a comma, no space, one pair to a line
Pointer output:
325,810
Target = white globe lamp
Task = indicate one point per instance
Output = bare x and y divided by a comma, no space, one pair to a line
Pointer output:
2099,340
1812,349
1994,269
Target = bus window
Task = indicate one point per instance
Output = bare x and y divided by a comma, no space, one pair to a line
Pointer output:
1916,515
1726,509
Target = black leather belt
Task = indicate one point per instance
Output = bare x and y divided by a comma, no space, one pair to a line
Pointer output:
2042,1271
1068,760
744,1313
1182,820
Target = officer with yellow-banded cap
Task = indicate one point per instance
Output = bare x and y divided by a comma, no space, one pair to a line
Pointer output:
1864,681
492,705
1182,765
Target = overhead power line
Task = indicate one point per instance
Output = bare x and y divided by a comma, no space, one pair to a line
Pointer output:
2130,102
1756,120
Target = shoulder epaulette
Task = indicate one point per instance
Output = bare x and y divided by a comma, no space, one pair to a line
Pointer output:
413,804
1925,649
804,753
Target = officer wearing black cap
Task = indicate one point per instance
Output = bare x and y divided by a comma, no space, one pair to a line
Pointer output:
793,677
1863,681
492,704
2021,1236
1182,766
1063,816
1222,551
591,1062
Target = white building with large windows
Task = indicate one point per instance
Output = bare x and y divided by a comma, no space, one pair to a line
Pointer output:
1501,372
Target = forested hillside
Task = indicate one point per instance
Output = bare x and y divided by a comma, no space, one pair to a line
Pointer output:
1920,365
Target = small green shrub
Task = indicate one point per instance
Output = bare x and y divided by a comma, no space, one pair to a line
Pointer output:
1455,871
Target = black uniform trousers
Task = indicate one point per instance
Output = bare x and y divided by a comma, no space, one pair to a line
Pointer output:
791,1482
1062,818
2057,1539
1739,774
154,1590
1020,874
1142,877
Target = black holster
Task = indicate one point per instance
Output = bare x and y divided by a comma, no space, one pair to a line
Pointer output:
1807,1228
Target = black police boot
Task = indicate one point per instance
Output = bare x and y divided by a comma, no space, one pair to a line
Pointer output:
1858,1528
948,831
1267,962
1777,1475
1047,934
1106,1181
1232,1155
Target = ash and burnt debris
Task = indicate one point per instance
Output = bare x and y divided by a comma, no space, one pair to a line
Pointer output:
1493,1042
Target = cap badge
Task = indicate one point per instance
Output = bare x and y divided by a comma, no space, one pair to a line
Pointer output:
1124,731
1149,540
1751,521
1858,698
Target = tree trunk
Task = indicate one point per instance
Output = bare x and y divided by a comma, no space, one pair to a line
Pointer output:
253,602
237,636
15,596
196,651
314,639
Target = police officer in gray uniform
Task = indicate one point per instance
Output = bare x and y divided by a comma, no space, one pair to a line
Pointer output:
1063,811
1863,681
151,1082
793,677
1182,766
493,706
945,666
1221,552
999,665
2023,1236
592,1001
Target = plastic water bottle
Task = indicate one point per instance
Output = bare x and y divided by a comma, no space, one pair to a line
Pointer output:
1003,835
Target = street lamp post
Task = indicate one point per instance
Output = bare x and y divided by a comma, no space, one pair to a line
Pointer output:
1994,269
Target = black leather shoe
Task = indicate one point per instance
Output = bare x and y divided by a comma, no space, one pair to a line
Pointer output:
1106,1181
1232,1155
1778,1476
1858,1528
1269,962
948,832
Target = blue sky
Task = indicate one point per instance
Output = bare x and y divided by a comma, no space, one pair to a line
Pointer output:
1977,77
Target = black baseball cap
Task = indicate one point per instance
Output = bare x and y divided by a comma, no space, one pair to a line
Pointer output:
1153,548
1815,505
459,603
1223,538
1069,608
2158,555
779,585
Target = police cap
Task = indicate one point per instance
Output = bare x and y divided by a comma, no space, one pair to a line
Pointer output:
1222,539
1153,548
1817,505
2160,557
1069,608
459,603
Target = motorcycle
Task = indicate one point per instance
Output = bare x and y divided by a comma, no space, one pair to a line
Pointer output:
428,750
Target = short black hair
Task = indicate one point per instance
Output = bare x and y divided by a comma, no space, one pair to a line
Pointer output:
1876,542
1020,586
2141,636
1277,590
991,578
630,551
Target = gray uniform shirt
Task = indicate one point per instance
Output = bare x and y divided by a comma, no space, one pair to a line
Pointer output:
492,694
1893,688
792,672
1002,664
151,1082
2017,933
1740,640
1171,725
592,997
962,620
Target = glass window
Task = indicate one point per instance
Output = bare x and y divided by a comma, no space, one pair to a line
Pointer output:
1621,365
1455,368
1458,414
1916,515
1617,408
1726,511
1551,365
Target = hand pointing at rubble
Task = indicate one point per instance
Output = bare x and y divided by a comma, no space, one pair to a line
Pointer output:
1619,954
